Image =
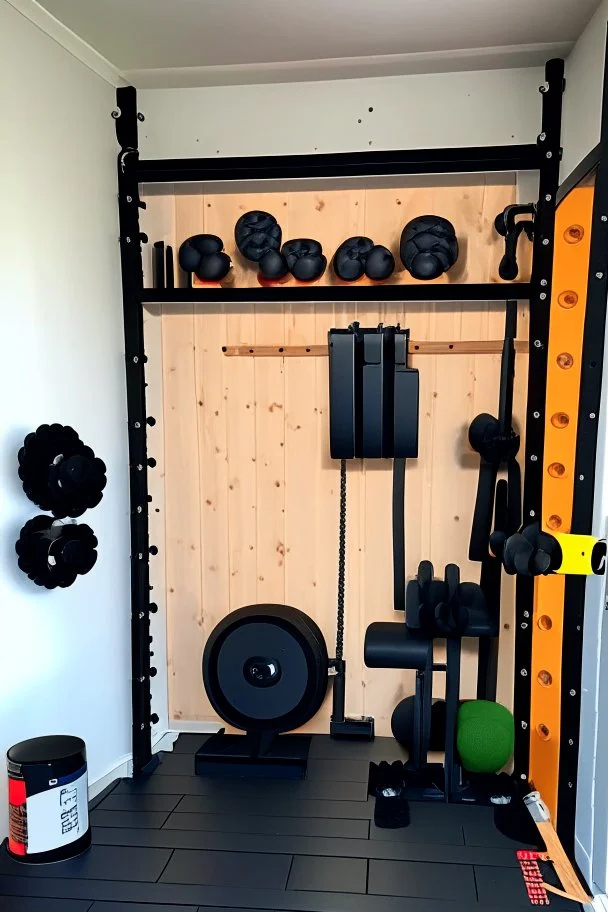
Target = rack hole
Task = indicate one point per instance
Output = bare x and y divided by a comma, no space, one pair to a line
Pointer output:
250,351
554,521
543,731
307,349
565,360
151,462
281,349
573,234
545,622
557,470
450,346
153,549
545,678
416,347
567,299
224,348
560,420
151,421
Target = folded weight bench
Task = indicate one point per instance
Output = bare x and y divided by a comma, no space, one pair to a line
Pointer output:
433,609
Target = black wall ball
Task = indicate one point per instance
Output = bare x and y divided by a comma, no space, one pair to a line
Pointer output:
203,255
257,233
358,256
428,246
273,265
304,258
380,263
350,258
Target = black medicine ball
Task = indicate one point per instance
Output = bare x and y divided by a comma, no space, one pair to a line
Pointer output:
350,258
304,258
273,265
380,263
203,255
428,246
214,268
256,233
359,255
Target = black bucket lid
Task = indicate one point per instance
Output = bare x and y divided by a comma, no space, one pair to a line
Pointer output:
47,749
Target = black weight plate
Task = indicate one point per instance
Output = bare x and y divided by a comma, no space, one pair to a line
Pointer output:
265,668
262,643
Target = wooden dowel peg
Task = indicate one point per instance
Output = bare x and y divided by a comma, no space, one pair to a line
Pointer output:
473,347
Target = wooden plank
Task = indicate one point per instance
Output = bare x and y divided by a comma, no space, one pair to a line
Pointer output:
209,328
185,636
269,385
239,408
347,220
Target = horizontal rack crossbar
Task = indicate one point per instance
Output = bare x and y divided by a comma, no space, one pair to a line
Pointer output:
478,159
473,347
493,291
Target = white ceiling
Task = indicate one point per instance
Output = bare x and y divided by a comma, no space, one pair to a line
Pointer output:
210,42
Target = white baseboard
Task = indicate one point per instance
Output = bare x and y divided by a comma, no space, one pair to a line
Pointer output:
600,903
121,770
582,859
196,728
124,768
164,741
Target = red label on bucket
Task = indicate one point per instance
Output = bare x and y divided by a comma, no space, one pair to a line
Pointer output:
17,838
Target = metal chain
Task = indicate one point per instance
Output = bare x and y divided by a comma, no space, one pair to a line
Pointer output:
341,564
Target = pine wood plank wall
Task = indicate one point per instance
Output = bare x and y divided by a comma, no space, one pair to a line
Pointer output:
245,485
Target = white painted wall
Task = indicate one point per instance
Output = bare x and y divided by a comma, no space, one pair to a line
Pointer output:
64,655
488,107
583,96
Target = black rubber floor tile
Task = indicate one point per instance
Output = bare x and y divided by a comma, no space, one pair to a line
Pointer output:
505,887
34,904
101,862
228,869
201,804
422,879
94,802
148,804
328,875
324,769
135,819
203,840
278,826
177,764
446,834
159,784
189,743
376,750
480,830
228,899
139,907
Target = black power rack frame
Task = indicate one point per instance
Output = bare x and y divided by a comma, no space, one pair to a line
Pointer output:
544,157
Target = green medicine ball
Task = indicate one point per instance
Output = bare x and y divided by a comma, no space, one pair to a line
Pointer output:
485,736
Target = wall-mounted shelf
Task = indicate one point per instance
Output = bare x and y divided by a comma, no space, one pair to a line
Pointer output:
492,291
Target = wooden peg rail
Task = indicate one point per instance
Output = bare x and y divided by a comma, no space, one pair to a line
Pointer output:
479,347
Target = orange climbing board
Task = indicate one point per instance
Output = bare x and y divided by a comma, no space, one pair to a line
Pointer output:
568,305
